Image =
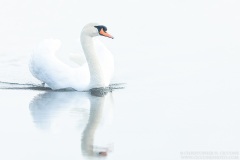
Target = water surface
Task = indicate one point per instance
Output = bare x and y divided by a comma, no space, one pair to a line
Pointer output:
179,59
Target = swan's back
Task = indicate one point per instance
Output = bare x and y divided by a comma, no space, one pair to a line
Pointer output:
46,67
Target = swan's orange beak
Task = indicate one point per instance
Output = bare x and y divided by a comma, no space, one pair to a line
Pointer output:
105,34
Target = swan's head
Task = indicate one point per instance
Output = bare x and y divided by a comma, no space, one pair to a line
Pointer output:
94,29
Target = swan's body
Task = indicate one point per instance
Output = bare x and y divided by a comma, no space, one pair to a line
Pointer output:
96,72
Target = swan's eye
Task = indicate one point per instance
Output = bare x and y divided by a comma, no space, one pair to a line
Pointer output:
101,27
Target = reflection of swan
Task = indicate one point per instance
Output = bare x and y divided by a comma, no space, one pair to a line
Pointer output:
47,107
97,136
97,72
93,112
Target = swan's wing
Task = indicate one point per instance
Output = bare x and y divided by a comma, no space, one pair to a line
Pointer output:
77,58
46,67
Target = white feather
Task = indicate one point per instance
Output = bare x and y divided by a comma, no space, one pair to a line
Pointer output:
46,67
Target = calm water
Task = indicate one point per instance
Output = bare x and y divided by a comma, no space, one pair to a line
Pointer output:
173,114
179,59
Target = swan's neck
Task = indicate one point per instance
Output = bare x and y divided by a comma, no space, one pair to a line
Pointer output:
97,77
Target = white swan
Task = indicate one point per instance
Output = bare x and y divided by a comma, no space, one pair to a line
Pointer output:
96,72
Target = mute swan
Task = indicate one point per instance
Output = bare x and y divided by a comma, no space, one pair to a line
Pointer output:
96,72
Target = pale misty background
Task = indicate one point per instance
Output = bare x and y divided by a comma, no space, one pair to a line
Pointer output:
180,60
147,33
